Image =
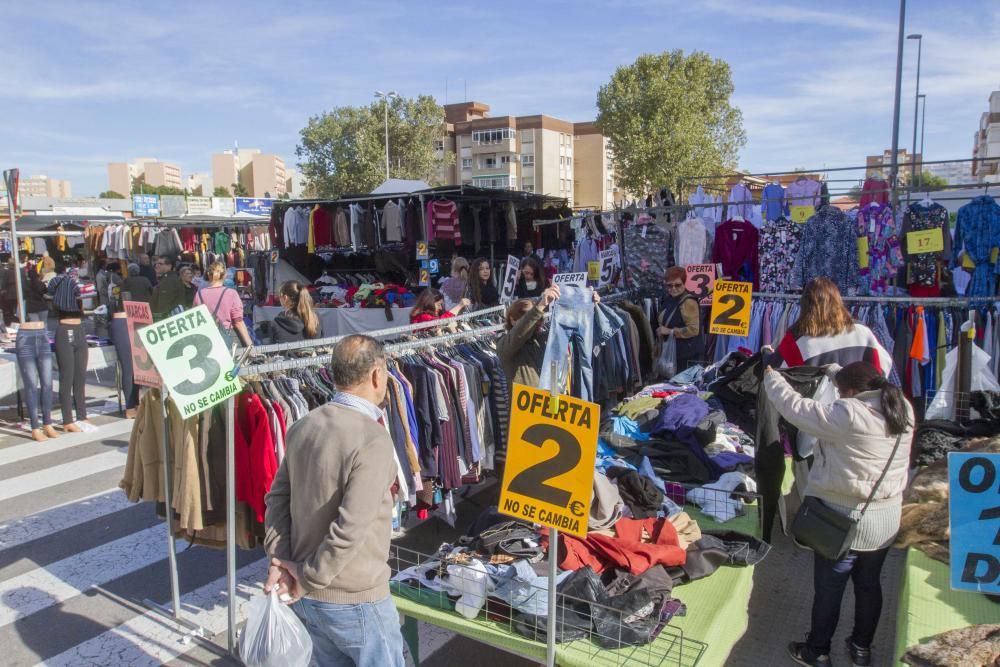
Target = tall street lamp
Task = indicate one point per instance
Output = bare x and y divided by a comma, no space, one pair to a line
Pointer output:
385,97
916,106
923,121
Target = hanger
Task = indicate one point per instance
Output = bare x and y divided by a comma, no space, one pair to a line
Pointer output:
927,201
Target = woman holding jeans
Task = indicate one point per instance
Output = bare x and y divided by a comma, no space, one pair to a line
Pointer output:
857,436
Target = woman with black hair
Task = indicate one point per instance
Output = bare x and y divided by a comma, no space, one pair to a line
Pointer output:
532,281
863,434
482,293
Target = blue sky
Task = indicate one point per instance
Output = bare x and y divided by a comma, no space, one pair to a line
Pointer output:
88,83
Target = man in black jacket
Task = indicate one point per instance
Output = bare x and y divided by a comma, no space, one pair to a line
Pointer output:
169,291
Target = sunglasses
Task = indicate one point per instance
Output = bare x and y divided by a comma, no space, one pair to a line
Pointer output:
675,285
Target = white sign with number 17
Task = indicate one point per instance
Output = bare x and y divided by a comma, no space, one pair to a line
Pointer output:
193,360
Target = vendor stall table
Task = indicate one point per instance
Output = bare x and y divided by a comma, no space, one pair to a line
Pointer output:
928,606
343,321
717,617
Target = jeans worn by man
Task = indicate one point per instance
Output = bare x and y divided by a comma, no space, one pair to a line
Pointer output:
329,517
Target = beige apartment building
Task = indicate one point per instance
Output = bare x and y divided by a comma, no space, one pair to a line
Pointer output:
532,153
881,165
259,173
986,143
43,186
152,171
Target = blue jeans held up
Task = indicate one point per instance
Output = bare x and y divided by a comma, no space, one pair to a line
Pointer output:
34,362
572,319
353,635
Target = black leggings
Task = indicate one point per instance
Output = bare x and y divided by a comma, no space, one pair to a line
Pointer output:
71,355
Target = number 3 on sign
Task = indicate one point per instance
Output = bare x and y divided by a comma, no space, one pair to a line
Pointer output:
549,475
731,304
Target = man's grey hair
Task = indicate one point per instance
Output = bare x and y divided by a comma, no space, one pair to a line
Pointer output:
354,358
133,268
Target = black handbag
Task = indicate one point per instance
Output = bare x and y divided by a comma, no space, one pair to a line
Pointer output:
825,530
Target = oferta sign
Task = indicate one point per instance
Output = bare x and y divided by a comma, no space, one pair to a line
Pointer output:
193,360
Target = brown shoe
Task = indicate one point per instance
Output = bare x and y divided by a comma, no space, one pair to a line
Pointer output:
72,428
38,435
50,431
130,413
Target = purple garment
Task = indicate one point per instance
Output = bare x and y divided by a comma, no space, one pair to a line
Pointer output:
803,192
679,418
729,460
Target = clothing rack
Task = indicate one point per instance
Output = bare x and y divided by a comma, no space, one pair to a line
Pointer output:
443,340
380,333
823,170
918,301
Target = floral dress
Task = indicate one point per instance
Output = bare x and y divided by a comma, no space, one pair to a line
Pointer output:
877,224
778,245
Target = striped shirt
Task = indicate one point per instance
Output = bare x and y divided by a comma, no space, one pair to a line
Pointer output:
359,404
859,344
443,219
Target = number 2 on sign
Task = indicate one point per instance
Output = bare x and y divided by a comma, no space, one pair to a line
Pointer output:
531,481
731,305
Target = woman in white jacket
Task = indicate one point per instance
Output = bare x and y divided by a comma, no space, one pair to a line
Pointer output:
856,436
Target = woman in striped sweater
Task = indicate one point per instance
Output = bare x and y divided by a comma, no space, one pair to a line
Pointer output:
825,333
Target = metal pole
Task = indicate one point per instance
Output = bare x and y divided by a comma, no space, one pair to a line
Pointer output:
15,250
923,121
386,100
894,165
550,622
231,520
916,107
168,492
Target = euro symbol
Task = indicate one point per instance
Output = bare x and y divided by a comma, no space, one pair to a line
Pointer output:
576,507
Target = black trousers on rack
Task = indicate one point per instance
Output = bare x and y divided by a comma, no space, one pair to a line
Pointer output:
71,354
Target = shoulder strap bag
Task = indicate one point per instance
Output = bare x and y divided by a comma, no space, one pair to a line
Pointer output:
825,530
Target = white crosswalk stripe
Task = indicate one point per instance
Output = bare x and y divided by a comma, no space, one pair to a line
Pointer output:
61,474
21,531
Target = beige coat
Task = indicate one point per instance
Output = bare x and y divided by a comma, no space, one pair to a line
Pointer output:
853,446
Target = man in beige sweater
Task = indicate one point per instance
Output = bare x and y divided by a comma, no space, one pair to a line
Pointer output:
329,517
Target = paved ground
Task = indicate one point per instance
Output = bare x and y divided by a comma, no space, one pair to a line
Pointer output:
76,560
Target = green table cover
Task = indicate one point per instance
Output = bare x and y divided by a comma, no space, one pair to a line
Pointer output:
928,606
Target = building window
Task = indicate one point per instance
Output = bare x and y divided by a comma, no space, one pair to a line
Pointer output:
569,162
527,136
467,163
495,182
525,182
439,145
489,163
527,160
529,188
492,136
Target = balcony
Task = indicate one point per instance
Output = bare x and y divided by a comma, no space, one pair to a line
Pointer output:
498,146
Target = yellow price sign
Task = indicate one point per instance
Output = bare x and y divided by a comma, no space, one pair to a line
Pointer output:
593,270
731,303
549,476
863,252
924,241
422,250
801,213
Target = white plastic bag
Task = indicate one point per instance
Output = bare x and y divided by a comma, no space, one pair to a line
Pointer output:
274,636
943,405
666,365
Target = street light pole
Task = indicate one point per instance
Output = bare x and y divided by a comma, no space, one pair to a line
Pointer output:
916,108
923,121
385,98
893,176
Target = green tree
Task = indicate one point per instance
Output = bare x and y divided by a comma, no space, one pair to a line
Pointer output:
343,151
220,191
669,115
139,186
111,194
239,190
926,181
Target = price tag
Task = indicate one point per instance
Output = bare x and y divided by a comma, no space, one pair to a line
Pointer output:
549,476
425,274
700,280
974,517
801,213
863,252
509,279
578,279
422,250
924,241
607,269
731,308
192,358
274,257
435,267
138,315
593,270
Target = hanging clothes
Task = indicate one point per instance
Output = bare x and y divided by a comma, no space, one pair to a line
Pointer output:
977,234
828,249
691,242
772,202
778,247
736,248
922,271
740,203
880,250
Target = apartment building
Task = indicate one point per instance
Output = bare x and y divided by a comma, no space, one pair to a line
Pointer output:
956,173
43,186
532,153
986,143
152,171
258,173
199,184
881,165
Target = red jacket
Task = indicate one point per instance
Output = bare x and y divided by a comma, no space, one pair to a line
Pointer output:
427,317
627,550
256,461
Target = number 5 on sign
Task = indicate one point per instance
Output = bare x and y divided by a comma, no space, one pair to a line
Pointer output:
551,453
731,308
192,358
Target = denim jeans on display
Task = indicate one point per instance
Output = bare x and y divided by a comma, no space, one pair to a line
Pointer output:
34,362
572,320
830,578
353,635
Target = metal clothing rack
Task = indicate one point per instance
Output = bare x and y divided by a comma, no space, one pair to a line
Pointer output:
917,301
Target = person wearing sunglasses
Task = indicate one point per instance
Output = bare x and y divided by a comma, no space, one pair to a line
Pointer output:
681,316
